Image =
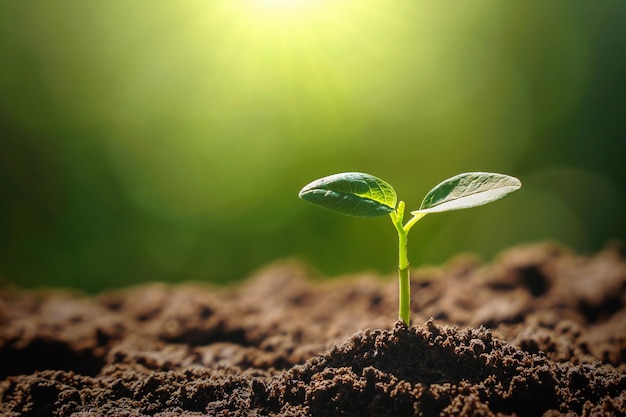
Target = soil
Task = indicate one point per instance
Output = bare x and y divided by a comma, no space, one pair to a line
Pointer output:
538,331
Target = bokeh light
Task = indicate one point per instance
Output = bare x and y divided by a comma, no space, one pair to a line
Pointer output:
167,141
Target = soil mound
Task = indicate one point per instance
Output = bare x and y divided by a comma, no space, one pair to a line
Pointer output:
540,331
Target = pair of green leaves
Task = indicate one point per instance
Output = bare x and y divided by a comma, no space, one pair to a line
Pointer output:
364,195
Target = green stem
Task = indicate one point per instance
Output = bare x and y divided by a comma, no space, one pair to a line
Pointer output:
413,220
404,304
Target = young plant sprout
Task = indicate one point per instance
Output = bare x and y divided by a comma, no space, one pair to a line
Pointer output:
364,195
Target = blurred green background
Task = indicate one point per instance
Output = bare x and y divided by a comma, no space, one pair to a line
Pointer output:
162,140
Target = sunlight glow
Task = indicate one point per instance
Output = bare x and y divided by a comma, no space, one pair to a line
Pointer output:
280,3
285,7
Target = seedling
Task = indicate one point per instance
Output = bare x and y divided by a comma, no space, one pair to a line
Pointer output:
363,195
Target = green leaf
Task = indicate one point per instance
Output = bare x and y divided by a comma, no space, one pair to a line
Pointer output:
351,193
467,190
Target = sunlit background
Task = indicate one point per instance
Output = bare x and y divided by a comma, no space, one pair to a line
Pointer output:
162,140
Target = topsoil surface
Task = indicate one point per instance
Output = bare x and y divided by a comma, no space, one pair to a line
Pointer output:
539,331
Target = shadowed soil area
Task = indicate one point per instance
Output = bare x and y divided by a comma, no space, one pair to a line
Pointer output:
538,331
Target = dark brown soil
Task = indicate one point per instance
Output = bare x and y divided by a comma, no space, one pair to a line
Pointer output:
540,331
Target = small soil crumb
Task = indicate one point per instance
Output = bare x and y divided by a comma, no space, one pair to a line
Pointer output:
539,331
